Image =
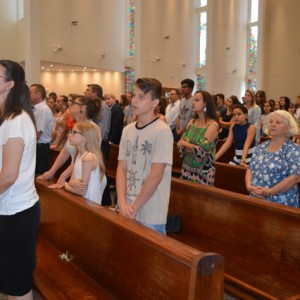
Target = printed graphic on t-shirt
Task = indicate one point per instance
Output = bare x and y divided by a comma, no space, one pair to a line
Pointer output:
138,156
183,112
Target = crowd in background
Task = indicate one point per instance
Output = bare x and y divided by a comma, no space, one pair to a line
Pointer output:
197,121
145,123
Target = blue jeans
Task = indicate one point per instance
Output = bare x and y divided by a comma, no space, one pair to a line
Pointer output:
156,227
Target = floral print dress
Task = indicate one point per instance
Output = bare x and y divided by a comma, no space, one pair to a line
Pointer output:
270,168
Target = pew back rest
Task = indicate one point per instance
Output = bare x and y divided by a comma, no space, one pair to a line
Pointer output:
230,178
252,229
129,260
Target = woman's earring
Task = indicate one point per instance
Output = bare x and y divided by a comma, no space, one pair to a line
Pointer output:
204,109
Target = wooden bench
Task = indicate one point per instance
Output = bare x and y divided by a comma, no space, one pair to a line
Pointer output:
114,257
228,177
260,241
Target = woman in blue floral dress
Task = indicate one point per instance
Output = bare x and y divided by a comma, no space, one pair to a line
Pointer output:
274,170
198,142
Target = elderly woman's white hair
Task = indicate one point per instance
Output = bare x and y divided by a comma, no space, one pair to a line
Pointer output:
289,119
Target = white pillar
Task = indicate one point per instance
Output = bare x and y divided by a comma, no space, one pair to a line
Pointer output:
31,41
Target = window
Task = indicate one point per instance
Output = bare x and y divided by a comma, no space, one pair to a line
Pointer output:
131,28
253,44
129,73
201,68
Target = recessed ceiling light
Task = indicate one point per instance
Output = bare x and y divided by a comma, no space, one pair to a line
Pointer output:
43,68
51,66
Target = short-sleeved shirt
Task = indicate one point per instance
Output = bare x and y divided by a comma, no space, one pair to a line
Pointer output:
270,168
140,148
185,112
254,114
44,121
21,195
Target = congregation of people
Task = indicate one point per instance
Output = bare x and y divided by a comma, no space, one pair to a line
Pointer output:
145,124
198,122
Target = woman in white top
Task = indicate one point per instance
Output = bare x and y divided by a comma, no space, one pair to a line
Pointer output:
254,112
88,178
83,109
19,206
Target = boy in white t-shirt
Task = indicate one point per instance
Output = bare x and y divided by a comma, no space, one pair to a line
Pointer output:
145,160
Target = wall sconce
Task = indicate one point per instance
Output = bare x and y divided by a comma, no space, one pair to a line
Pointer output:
57,48
101,56
156,59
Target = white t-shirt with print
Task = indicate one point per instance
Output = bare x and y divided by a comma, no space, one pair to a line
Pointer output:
141,147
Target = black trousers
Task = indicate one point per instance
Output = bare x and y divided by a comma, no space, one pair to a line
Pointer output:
42,158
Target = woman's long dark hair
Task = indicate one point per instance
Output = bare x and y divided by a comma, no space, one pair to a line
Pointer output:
18,97
211,111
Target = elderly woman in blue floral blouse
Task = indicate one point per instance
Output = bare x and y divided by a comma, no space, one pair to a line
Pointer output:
274,170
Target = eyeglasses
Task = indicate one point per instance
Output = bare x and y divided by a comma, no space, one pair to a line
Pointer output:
80,104
73,131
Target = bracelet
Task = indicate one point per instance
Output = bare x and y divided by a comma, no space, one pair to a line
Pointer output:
270,193
243,160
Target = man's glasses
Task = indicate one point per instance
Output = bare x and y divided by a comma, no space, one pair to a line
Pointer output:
80,104
73,131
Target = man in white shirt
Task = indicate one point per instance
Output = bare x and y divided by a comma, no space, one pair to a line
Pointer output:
172,112
44,122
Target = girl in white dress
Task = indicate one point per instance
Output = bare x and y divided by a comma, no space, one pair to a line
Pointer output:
88,178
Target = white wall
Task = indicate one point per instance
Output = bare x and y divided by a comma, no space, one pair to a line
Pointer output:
283,49
64,83
228,47
9,29
176,19
101,29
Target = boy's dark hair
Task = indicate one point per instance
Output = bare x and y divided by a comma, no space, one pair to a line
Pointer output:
189,82
150,85
241,107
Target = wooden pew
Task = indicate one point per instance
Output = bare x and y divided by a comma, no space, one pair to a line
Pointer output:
260,241
114,257
228,177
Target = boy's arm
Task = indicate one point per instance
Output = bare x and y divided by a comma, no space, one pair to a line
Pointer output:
121,188
149,186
